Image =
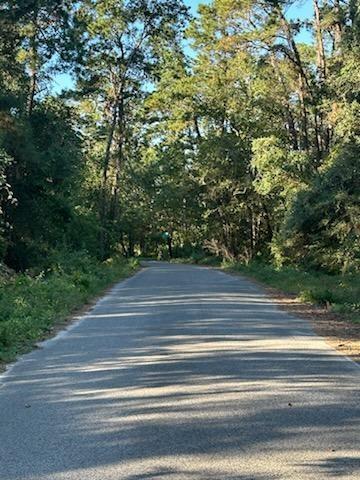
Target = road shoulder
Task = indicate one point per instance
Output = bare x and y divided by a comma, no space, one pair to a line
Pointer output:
338,332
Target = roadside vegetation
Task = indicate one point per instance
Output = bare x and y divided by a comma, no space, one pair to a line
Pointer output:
32,305
338,293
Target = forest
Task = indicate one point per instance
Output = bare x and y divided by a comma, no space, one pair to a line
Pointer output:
247,146
234,133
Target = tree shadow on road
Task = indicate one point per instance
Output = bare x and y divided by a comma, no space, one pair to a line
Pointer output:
217,377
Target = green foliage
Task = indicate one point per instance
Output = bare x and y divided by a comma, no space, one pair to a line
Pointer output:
45,177
323,226
279,171
30,306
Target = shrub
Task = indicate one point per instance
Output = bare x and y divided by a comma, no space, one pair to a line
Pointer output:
30,305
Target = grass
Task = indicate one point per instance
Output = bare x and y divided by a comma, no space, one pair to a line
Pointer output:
30,306
340,293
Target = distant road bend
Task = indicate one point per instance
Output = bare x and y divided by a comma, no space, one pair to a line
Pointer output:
182,373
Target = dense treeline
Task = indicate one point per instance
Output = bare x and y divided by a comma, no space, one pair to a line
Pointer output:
226,131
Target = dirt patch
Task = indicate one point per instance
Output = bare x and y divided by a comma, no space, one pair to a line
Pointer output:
341,334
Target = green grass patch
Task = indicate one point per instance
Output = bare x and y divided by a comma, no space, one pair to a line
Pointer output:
340,292
31,305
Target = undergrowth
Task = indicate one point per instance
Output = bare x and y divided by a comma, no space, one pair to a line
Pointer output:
340,293
30,305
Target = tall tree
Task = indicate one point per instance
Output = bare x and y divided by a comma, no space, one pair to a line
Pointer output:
124,40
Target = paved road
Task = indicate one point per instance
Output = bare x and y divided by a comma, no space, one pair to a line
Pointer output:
186,373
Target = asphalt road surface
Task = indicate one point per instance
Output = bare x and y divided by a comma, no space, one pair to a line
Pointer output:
182,372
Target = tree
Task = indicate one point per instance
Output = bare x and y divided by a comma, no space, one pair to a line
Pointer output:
245,148
43,34
124,42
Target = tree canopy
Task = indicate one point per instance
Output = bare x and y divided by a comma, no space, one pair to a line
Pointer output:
224,130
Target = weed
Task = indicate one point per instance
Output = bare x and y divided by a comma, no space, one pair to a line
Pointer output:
29,306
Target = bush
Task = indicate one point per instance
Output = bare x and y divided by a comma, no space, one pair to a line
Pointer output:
321,296
322,228
30,305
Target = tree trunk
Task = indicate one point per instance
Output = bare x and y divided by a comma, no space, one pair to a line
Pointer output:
33,65
305,90
289,118
197,128
32,91
291,128
304,117
131,246
320,50
296,59
103,198
267,220
169,242
338,26
119,160
318,137
321,130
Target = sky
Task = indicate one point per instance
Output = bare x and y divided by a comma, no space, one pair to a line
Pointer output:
303,9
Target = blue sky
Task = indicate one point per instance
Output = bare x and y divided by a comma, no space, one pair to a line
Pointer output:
193,4
303,9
